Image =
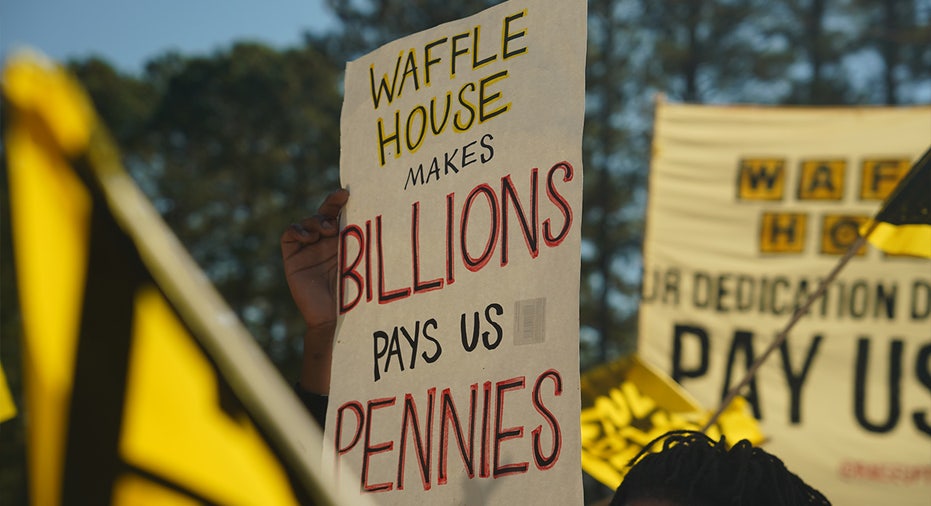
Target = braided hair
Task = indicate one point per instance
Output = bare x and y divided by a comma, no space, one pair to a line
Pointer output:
694,470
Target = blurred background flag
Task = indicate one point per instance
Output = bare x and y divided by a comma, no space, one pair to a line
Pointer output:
141,386
627,403
903,224
7,407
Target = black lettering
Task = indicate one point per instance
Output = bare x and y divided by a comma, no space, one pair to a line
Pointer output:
498,331
678,370
722,293
380,351
489,153
885,301
701,290
468,155
449,158
506,52
743,340
744,293
438,349
894,384
796,381
858,300
821,179
412,341
923,373
921,299
468,344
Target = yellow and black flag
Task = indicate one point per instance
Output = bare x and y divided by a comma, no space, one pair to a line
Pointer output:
7,407
141,386
903,224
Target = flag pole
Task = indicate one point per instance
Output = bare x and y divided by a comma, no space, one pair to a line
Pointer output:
784,333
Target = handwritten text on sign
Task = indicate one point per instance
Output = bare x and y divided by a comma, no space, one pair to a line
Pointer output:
456,357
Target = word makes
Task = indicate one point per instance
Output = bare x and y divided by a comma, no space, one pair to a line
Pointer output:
357,421
477,100
360,276
797,371
765,179
452,161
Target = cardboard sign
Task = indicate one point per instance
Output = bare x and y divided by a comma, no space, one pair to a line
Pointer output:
456,361
627,403
749,208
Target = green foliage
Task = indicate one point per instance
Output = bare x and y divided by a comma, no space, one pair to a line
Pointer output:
231,148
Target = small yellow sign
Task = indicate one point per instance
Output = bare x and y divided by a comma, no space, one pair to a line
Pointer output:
839,232
761,179
879,176
822,179
627,404
783,232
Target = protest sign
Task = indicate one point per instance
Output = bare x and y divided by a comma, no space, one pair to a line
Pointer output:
627,404
455,370
749,208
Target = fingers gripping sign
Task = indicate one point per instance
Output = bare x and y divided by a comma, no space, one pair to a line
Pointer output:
309,251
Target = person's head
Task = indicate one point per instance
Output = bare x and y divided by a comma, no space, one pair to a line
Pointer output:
694,470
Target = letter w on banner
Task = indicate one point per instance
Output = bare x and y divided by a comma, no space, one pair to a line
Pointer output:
141,384
750,208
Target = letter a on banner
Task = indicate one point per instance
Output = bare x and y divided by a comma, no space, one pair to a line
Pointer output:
140,384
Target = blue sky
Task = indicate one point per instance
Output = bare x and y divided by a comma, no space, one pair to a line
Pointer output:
127,33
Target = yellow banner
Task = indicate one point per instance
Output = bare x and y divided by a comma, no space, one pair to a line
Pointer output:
749,209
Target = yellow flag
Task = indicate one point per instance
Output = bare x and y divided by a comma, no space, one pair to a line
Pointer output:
903,225
141,386
7,407
627,403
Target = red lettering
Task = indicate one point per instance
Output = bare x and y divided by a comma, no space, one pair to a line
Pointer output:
450,247
368,261
348,270
449,416
546,461
501,209
560,201
424,449
543,449
385,297
356,408
502,435
509,194
368,450
476,264
433,284
484,470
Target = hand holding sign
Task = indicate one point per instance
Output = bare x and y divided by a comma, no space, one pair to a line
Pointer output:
309,252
